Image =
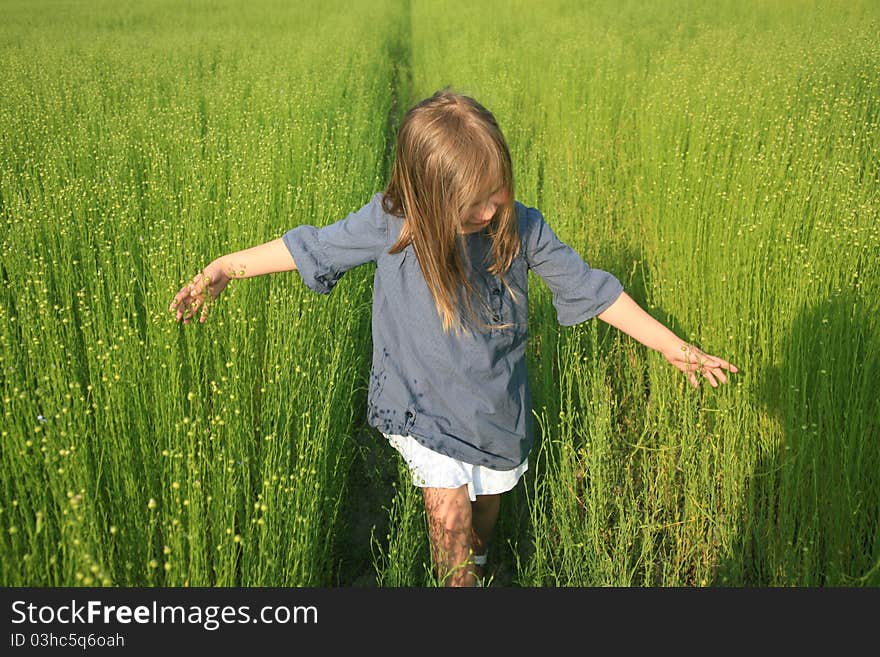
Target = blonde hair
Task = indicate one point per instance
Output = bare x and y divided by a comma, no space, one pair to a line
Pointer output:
451,154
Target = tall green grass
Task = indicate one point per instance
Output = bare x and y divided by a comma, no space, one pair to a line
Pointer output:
140,142
720,159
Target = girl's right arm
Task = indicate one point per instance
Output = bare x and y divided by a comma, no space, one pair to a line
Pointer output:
268,258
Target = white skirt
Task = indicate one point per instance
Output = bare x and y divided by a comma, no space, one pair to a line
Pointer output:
431,469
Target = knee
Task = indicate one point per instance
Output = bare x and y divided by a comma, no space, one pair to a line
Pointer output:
453,525
449,512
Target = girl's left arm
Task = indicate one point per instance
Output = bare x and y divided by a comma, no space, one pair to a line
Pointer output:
627,316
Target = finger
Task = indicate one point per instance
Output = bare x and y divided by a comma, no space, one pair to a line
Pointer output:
720,362
191,306
191,311
183,308
693,379
182,299
708,374
178,298
181,305
722,377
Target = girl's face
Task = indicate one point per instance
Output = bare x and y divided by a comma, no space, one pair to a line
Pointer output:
480,214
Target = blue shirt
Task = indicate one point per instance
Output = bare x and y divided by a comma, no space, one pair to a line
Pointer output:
466,395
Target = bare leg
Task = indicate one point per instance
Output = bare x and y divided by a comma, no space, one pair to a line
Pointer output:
451,533
484,513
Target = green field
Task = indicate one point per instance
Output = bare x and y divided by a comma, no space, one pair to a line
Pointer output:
720,158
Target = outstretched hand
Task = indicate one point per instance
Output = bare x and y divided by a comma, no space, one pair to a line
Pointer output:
196,295
691,361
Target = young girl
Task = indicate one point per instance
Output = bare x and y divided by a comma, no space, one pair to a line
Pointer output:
448,384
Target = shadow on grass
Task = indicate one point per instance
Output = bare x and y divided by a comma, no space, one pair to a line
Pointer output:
811,514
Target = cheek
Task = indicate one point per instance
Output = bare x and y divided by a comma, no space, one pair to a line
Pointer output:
484,214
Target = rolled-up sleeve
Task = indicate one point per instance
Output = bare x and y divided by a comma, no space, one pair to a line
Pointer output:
579,291
323,255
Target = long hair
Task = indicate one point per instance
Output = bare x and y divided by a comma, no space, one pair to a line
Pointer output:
451,154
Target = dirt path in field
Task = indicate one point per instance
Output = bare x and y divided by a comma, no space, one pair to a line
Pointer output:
370,483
